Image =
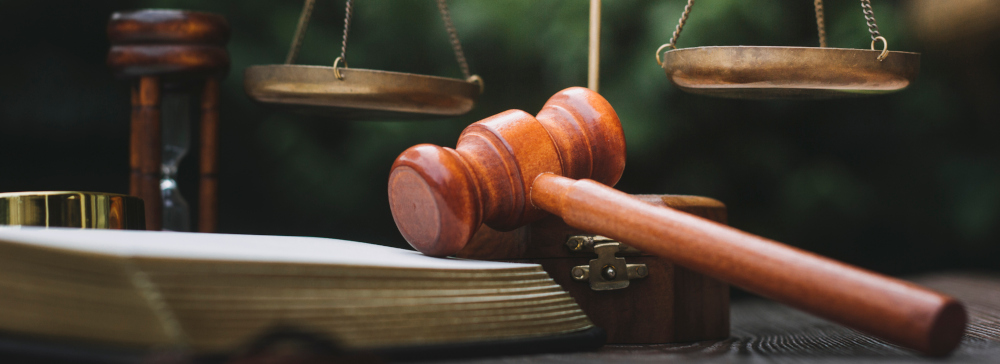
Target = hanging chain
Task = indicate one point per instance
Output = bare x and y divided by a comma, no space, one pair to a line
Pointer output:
347,26
866,8
456,45
343,45
300,31
820,23
677,32
680,24
307,10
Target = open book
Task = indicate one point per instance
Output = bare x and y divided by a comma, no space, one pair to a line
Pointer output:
215,292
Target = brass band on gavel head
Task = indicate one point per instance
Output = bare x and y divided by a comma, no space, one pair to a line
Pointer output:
87,210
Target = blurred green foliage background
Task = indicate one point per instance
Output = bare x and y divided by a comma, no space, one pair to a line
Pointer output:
902,183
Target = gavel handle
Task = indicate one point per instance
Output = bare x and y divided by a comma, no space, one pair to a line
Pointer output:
897,311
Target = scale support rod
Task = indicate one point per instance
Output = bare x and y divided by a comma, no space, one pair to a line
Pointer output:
594,59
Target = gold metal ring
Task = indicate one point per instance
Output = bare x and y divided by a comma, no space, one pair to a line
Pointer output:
658,50
885,48
336,71
477,80
87,210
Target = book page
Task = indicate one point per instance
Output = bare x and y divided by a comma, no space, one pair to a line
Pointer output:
234,247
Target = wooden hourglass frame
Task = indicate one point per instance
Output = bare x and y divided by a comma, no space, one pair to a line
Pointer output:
163,51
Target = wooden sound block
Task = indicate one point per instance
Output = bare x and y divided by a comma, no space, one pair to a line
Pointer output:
670,304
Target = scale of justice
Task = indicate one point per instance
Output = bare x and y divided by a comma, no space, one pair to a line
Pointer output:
541,186
742,72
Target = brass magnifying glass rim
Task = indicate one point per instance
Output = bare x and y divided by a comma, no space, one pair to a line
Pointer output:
73,209
758,72
360,94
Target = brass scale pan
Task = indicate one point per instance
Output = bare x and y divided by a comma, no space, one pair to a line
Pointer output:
361,94
754,72
743,72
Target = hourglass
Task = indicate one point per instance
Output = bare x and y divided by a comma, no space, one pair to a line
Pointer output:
175,60
175,121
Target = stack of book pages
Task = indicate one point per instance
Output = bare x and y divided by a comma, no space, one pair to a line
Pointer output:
216,292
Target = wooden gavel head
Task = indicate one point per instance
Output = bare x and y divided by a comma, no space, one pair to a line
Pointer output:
440,196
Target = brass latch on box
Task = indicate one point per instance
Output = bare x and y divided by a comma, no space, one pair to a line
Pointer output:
607,263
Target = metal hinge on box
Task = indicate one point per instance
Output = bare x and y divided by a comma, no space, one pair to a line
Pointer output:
607,263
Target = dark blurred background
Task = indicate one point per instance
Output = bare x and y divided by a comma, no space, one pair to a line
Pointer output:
902,183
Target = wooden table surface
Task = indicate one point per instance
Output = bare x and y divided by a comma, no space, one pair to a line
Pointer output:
768,332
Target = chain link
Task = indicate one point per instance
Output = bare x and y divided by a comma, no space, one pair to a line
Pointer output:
456,45
347,26
677,32
820,23
680,24
307,10
300,31
866,8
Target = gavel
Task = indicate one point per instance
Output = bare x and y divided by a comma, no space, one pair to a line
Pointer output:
512,168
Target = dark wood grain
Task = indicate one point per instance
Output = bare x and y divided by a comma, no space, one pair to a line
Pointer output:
490,244
208,187
159,59
148,138
672,304
165,26
509,169
135,140
165,42
768,332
